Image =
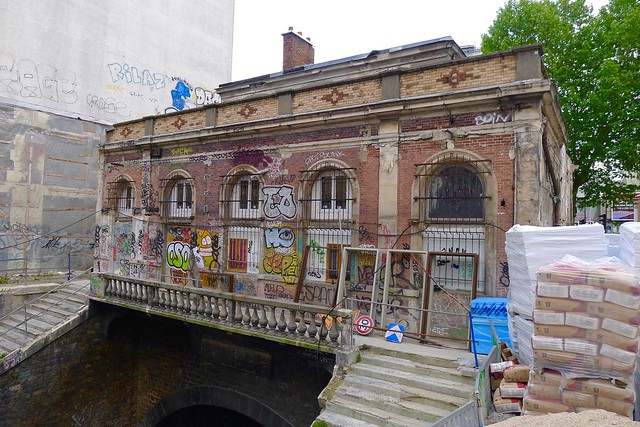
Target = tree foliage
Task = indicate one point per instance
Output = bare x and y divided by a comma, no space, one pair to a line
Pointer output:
595,62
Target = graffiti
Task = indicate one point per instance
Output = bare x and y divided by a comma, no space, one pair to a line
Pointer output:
276,291
11,360
314,274
206,97
132,269
178,255
493,118
125,144
364,235
27,80
108,105
323,155
156,243
180,97
279,201
208,246
115,88
319,294
202,158
285,265
284,179
274,167
279,237
22,229
256,158
131,74
181,151
504,277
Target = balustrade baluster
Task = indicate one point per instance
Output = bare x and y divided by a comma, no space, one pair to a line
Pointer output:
179,302
334,331
312,330
254,317
272,319
237,312
107,289
118,289
174,300
246,316
291,324
302,326
156,296
282,323
262,318
215,310
224,313
127,286
202,305
323,329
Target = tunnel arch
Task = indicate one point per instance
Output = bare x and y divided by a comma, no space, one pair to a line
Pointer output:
214,396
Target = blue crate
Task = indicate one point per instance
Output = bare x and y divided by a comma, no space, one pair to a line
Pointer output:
486,311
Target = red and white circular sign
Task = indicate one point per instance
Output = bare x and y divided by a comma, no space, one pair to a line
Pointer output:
364,325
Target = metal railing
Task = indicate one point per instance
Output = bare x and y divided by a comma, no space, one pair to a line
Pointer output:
474,412
24,323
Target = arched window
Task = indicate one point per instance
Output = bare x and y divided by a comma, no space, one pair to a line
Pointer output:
179,202
331,196
455,193
126,199
328,211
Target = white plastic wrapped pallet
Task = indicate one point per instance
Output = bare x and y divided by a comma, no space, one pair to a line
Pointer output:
529,247
630,244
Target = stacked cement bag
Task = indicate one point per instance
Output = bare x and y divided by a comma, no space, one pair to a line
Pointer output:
549,392
528,248
586,325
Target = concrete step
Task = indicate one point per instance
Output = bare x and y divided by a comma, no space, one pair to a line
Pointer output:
66,305
437,356
361,411
424,382
45,316
16,338
416,366
32,325
333,419
405,392
420,410
71,295
52,309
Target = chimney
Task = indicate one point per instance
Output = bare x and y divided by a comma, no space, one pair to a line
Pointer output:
297,51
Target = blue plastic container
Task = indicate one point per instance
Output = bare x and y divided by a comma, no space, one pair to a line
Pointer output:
486,311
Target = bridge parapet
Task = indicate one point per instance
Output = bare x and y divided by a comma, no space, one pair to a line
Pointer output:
303,325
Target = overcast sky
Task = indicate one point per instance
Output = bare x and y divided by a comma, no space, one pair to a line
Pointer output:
343,28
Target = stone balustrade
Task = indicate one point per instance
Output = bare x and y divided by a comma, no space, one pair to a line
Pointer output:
278,320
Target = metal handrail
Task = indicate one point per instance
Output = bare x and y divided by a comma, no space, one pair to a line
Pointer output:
38,298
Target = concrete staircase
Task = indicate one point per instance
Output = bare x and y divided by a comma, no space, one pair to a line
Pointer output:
394,389
42,320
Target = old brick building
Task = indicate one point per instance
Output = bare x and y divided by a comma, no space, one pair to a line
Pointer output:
417,147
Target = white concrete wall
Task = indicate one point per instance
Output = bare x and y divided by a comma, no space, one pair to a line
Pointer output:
115,60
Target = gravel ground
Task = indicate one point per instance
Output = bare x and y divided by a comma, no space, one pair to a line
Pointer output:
591,418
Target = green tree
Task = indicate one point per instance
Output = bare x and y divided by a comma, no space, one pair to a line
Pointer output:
594,60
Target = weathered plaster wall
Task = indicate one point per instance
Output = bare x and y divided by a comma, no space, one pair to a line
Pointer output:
48,190
116,60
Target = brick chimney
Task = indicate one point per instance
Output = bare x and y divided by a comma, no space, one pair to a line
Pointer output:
297,51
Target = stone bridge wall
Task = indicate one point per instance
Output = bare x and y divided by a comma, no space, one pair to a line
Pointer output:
85,379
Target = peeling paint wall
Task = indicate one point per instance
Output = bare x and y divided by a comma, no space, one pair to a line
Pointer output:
48,190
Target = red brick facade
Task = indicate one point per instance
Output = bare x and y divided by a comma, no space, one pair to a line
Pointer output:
420,148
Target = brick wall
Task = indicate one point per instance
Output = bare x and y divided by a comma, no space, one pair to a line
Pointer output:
86,379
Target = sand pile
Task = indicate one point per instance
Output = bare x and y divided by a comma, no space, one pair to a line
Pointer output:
591,418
